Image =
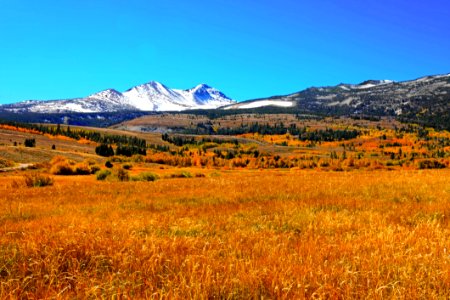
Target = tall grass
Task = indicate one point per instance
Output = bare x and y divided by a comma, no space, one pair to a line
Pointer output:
37,180
250,234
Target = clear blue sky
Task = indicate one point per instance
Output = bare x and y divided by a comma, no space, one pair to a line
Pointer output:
248,48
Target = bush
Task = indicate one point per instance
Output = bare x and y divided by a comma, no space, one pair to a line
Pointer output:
90,162
183,174
186,174
146,176
431,164
119,159
102,175
62,168
30,143
37,180
108,164
4,163
122,175
95,169
61,165
82,169
137,158
58,159
127,166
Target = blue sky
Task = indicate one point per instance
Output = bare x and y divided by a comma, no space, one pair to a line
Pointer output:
247,48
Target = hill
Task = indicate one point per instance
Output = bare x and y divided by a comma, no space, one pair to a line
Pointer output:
425,100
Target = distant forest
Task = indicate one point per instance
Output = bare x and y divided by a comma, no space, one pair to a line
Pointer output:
438,121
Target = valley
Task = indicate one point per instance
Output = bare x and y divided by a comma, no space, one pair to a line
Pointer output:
191,205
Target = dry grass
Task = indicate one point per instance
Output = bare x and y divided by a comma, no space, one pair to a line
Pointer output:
37,180
220,232
183,120
248,234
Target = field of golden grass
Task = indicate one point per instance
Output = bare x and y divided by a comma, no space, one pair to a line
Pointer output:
289,234
183,120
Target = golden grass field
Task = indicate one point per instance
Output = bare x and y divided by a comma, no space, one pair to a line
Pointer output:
288,234
363,218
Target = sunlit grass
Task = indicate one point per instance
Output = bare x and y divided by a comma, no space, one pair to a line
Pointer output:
271,234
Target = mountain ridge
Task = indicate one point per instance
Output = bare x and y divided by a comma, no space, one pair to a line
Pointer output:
372,97
151,96
425,100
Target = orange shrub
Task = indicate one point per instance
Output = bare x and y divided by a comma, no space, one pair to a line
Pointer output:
61,168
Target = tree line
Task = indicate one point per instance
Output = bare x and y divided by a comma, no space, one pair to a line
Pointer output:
303,133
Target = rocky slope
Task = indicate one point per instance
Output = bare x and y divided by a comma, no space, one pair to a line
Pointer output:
426,97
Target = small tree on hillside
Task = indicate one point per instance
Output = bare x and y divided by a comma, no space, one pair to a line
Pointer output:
30,143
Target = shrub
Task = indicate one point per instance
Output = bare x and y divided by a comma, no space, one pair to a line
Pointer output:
90,162
30,143
186,174
146,176
108,164
324,164
62,168
127,166
137,158
122,174
102,175
95,169
119,159
4,163
58,159
431,164
60,165
37,180
82,169
183,174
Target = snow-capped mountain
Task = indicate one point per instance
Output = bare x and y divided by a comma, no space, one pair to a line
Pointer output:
152,96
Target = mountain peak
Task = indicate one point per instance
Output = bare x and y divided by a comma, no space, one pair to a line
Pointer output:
108,93
376,82
203,93
151,84
151,96
154,83
202,86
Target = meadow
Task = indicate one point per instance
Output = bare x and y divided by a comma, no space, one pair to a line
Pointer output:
255,234
227,231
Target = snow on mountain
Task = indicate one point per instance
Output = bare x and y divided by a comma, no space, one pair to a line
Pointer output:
152,96
108,95
371,83
205,96
261,103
